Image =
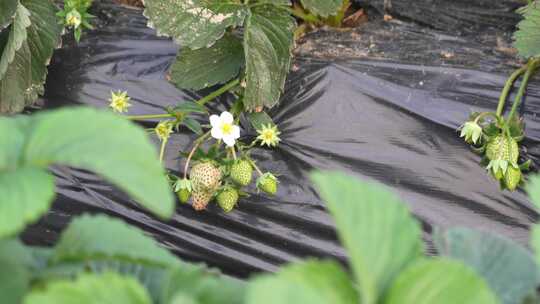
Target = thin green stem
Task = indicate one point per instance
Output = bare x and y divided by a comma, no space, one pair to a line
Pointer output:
531,67
198,142
255,166
201,101
484,114
233,153
151,116
162,150
507,87
218,92
299,12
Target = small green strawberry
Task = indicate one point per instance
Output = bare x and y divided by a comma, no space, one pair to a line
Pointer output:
201,199
205,176
227,198
242,172
183,190
268,183
512,178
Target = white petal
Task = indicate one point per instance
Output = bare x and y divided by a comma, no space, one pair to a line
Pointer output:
229,141
214,121
216,133
235,132
226,117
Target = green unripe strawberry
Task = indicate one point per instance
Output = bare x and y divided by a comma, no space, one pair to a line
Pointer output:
227,199
504,148
201,199
205,177
183,190
512,178
242,172
268,183
183,195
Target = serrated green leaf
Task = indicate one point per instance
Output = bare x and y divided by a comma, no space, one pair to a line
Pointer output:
193,24
259,119
14,277
193,125
508,268
202,68
106,144
440,281
323,8
12,140
376,228
89,237
7,12
25,75
26,195
190,107
311,282
16,37
268,42
91,289
527,37
533,190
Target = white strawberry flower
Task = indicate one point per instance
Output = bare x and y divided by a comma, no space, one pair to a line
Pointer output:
223,127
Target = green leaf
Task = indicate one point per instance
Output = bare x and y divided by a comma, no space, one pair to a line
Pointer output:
17,36
26,195
193,125
14,277
259,119
190,107
194,24
440,281
7,12
535,242
311,282
25,75
527,37
379,233
268,42
89,237
508,268
323,8
12,140
533,189
106,144
203,286
202,68
91,289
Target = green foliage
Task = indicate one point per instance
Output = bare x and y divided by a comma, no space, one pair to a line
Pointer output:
527,37
8,8
376,229
323,8
30,144
27,46
508,268
306,282
92,289
199,69
440,281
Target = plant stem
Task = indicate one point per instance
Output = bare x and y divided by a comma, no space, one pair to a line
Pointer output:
201,101
218,92
507,86
233,152
162,150
198,142
255,166
531,67
152,116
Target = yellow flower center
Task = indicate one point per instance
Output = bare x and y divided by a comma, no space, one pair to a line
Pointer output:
226,128
268,135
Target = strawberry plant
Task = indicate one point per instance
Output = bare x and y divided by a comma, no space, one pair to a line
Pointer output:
496,136
29,33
